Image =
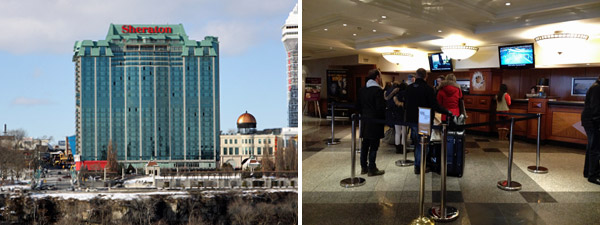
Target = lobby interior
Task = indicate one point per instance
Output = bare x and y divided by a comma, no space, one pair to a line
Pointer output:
347,38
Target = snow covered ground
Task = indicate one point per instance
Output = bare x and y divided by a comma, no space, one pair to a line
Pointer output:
107,195
15,187
137,195
148,179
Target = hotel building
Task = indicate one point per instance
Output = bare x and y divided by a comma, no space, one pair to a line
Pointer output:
152,92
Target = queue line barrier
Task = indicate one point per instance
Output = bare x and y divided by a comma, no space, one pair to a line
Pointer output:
445,213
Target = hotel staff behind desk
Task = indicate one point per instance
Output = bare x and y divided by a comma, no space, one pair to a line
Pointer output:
590,119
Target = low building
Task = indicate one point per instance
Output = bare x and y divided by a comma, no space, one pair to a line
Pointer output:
249,143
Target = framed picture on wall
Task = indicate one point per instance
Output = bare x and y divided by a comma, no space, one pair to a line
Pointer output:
580,85
465,85
478,81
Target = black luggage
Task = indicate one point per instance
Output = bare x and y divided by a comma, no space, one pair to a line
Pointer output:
455,151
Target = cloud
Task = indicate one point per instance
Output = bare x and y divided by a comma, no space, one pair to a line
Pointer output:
54,25
24,101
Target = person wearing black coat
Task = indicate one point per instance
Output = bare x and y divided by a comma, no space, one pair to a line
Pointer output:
590,120
371,106
420,94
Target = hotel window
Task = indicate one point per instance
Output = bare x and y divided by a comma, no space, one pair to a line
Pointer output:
258,151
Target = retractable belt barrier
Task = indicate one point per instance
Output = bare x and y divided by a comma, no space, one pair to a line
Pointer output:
333,141
353,181
443,213
525,116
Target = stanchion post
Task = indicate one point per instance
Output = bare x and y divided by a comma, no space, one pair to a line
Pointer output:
404,162
537,168
443,213
508,184
359,135
422,219
353,181
332,141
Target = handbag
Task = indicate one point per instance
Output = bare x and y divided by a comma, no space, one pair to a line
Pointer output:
436,135
461,107
389,136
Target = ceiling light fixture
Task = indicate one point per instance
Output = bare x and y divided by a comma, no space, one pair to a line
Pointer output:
459,52
344,24
374,30
397,56
325,29
353,34
383,17
439,31
560,42
507,4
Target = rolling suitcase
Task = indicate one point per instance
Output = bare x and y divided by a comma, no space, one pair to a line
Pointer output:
455,154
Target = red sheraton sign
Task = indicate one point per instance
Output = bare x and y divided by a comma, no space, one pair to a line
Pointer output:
131,29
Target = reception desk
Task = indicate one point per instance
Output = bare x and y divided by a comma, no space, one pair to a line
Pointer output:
561,120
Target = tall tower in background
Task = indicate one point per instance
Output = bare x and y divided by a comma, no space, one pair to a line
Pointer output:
290,40
152,92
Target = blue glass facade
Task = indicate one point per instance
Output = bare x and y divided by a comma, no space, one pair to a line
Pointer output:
154,95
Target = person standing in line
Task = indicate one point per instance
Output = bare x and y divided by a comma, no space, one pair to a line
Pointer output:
411,79
420,94
388,93
439,80
448,95
395,113
590,120
502,104
371,105
398,117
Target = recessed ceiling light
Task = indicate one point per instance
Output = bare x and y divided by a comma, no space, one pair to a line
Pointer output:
439,31
344,24
374,30
383,17
353,34
325,29
507,4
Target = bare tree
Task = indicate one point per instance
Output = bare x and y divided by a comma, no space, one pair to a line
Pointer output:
267,161
4,162
19,135
291,157
112,165
279,158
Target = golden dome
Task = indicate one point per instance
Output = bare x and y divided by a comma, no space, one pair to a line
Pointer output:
246,119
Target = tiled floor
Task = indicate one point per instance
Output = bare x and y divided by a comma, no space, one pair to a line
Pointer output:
562,196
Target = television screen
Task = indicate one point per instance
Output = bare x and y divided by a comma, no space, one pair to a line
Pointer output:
440,62
516,56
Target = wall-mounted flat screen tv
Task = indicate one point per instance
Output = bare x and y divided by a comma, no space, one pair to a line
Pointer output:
440,62
517,56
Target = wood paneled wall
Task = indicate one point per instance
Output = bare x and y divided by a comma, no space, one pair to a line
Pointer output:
519,82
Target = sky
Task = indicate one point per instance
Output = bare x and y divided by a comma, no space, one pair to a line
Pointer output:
37,75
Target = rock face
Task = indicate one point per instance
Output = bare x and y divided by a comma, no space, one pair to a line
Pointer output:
198,208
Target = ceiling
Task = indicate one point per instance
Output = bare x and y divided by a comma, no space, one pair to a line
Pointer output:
333,28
